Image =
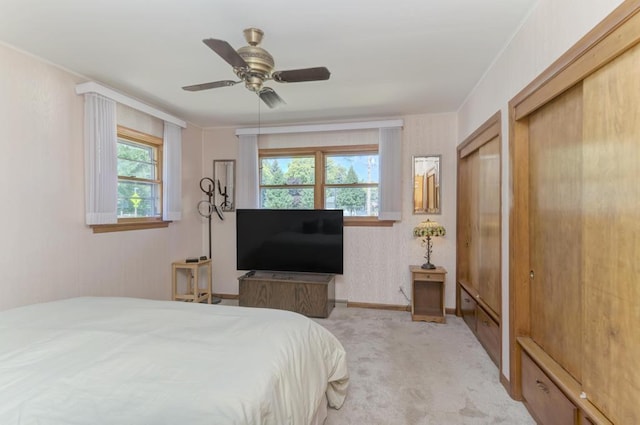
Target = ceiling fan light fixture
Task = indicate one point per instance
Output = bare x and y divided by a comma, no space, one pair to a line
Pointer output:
253,83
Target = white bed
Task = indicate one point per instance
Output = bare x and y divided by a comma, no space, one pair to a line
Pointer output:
130,361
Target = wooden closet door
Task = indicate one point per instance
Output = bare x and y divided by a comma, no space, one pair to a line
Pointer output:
463,231
489,224
468,223
611,245
474,225
555,176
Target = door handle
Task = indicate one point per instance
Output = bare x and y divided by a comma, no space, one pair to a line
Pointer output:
542,386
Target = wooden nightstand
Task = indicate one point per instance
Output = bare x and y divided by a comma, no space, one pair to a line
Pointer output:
427,294
195,292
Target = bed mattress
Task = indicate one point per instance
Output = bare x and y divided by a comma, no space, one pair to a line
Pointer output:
97,360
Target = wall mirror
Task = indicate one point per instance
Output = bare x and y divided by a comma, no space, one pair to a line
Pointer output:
426,184
224,176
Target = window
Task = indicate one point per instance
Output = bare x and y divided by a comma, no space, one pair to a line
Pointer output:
351,183
139,203
102,139
139,176
287,182
341,177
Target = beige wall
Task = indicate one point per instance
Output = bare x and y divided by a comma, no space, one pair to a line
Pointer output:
550,30
376,259
46,251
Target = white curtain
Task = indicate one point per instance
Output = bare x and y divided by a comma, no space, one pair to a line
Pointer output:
248,185
390,153
100,160
172,173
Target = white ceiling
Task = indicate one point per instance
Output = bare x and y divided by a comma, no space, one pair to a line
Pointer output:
387,58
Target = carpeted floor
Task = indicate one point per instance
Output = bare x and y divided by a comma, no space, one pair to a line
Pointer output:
417,373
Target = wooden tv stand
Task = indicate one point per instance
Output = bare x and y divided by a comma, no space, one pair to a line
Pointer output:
311,294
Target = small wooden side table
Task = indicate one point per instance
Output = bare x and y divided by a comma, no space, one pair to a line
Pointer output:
194,292
427,294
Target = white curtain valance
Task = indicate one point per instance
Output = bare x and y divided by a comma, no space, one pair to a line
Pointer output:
248,184
390,190
93,87
100,160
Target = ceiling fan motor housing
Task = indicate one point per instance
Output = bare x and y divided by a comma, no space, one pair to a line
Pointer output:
260,61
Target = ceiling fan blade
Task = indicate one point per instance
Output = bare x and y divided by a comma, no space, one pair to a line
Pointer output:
226,52
301,75
212,85
270,97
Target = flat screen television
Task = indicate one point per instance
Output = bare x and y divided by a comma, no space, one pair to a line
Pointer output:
290,240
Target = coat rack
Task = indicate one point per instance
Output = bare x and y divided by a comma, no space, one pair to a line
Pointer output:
206,209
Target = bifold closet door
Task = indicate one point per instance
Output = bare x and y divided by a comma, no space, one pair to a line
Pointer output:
555,220
611,238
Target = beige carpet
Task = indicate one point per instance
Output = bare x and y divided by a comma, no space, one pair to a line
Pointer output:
417,373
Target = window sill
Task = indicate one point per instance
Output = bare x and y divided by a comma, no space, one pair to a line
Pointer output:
366,222
125,225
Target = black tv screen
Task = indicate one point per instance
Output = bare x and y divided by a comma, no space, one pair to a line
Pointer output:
290,240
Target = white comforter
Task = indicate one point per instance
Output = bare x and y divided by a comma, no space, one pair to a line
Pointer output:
129,361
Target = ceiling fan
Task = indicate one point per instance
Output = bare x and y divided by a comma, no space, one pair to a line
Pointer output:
254,66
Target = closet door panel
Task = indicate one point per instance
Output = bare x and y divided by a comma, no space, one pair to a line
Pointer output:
555,173
464,224
474,225
611,377
489,224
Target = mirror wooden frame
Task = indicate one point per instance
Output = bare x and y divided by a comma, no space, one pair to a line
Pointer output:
224,176
427,181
